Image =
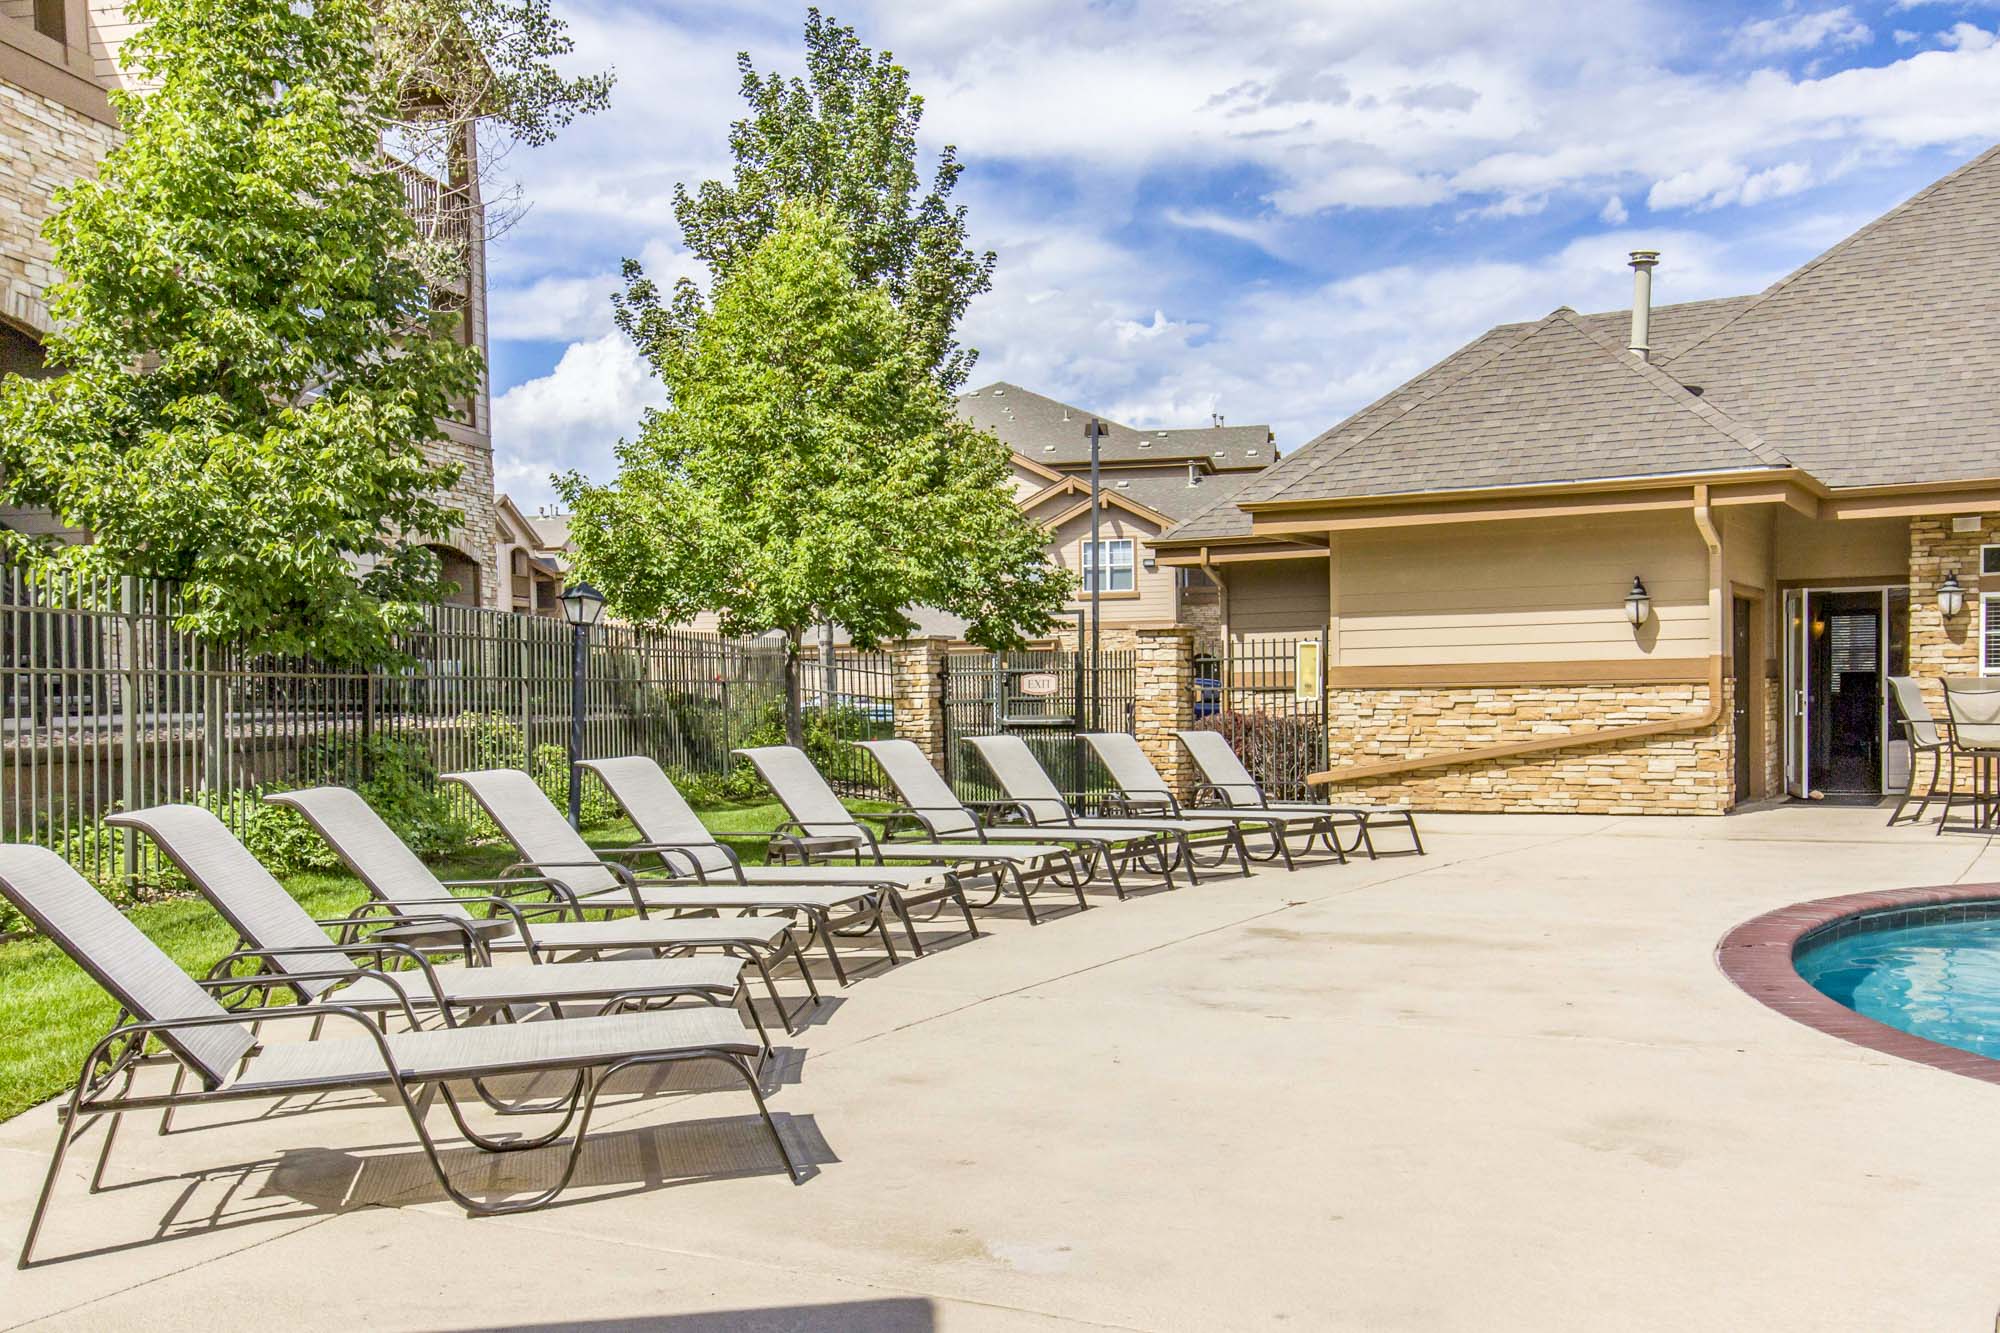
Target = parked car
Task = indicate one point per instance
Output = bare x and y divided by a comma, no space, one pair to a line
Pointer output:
1207,696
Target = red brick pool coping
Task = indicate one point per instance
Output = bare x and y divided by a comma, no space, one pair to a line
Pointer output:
1757,956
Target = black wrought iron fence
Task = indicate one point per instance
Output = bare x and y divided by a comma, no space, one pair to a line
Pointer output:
1047,697
1268,697
850,697
104,704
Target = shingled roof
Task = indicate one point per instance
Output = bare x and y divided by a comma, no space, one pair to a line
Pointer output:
1051,432
1878,363
1875,364
1499,406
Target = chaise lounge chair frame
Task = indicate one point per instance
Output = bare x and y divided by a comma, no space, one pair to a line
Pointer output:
1226,779
1142,790
228,1060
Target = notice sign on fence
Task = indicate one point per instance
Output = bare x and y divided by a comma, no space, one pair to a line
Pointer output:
1038,684
1305,669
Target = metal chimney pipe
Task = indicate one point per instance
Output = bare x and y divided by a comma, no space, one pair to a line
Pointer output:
1642,262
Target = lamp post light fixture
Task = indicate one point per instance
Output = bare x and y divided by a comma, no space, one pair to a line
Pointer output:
1951,597
1638,605
582,606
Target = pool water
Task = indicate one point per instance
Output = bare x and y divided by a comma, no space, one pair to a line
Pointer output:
1939,981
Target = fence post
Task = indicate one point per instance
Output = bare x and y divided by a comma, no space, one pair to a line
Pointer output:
128,711
1163,701
919,686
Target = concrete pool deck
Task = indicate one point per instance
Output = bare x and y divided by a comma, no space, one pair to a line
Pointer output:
1502,1086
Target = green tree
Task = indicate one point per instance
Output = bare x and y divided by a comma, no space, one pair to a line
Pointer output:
252,369
808,468
845,137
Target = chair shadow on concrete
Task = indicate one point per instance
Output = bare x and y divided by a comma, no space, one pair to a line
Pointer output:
307,1183
901,1314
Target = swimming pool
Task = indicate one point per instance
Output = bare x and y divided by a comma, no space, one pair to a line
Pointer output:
1932,972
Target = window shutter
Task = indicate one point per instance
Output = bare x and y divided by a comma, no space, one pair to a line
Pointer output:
1989,635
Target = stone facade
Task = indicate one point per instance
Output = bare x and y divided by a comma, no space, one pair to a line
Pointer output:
1686,773
1940,647
919,704
1163,702
43,145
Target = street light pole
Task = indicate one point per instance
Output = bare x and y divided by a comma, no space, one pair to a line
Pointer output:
1095,432
582,605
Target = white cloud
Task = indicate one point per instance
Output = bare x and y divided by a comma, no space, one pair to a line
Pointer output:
1613,211
1801,32
571,417
1967,37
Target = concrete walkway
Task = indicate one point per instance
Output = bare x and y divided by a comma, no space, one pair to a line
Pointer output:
1499,1087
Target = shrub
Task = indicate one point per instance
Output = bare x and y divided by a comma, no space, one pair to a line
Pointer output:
1279,751
551,773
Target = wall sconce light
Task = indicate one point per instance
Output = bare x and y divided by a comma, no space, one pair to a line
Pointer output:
1149,564
1951,597
1638,605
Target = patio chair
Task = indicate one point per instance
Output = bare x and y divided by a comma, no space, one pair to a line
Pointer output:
819,815
279,936
1921,734
1972,708
1036,798
930,803
1141,790
1230,782
669,828
228,1061
429,916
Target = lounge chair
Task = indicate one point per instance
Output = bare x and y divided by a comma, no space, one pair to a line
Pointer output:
1230,782
1036,798
281,938
670,829
434,918
227,1061
930,803
579,874
819,815
1141,791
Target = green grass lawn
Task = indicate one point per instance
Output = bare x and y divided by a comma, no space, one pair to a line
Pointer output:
51,1013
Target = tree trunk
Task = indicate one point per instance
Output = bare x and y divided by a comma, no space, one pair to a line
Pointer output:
795,717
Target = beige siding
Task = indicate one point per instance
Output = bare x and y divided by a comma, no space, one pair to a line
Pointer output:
1281,599
1155,599
1548,591
1833,550
108,30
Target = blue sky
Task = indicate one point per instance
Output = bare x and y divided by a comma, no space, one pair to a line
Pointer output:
1272,211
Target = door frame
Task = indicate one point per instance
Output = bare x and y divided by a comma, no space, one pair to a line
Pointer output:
1796,695
1752,677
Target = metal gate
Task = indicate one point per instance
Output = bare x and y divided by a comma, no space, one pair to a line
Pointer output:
1047,697
1269,698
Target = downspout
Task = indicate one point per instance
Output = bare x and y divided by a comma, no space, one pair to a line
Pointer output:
1704,523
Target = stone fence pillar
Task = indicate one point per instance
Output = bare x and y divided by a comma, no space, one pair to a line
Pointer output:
1163,701
919,666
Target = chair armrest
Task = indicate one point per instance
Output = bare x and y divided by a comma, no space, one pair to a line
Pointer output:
150,1027
378,949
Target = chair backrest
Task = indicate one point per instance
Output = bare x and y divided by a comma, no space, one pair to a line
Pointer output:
1973,703
130,967
658,810
807,798
1022,776
237,885
921,786
538,831
1909,697
363,840
1131,771
1221,768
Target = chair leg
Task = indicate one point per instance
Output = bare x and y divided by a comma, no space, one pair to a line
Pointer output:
65,1134
1950,792
1937,764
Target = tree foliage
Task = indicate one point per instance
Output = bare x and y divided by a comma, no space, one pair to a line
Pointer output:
251,365
845,137
808,468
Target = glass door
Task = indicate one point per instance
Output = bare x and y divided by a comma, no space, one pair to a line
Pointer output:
1794,631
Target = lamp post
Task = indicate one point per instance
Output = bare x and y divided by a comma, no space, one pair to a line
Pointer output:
1094,432
582,606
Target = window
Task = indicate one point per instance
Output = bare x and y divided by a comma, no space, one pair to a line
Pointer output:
1989,559
1989,634
1117,566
